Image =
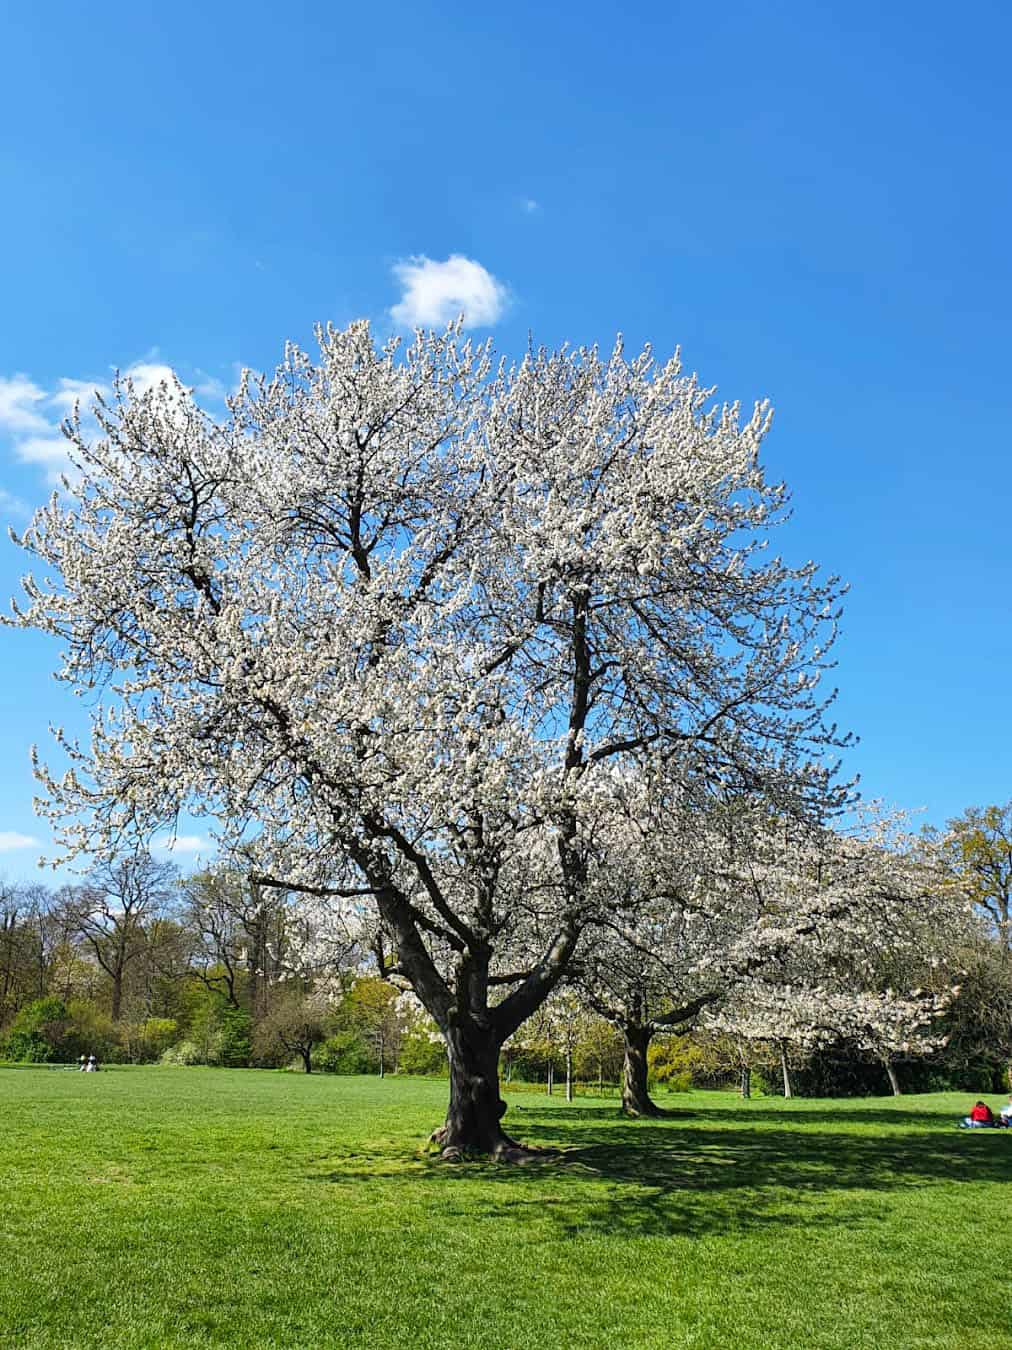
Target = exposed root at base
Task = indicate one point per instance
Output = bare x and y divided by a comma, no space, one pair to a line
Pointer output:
506,1150
648,1113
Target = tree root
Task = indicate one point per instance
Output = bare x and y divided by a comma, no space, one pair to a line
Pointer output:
650,1112
504,1150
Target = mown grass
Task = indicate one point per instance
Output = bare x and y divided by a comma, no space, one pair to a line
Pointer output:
173,1207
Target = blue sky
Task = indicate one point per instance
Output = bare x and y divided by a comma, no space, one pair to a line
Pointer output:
812,199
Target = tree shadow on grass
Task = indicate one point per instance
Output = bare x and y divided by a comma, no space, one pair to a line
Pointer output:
747,1113
828,1115
662,1179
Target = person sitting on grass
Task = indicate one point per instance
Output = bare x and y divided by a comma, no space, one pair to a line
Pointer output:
1005,1115
980,1118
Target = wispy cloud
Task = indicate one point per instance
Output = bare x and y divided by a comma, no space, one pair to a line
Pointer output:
181,843
11,840
72,392
30,416
49,452
13,506
435,293
20,410
530,206
209,387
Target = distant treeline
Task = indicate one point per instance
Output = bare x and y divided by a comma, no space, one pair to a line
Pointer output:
137,965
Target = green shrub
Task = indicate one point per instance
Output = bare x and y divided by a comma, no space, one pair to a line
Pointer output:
95,1031
673,1060
344,1052
42,1033
183,1054
422,1055
144,1042
236,1027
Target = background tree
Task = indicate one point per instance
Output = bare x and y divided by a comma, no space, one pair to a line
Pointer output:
978,848
20,960
215,909
295,1025
372,1008
115,910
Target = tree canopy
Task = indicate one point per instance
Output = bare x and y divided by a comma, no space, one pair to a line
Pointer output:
414,626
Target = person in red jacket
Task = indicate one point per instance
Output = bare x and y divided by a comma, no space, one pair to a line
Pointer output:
979,1118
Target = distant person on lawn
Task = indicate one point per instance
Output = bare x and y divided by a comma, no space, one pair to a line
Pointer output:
980,1118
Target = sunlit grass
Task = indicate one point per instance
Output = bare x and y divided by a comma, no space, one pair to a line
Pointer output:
170,1207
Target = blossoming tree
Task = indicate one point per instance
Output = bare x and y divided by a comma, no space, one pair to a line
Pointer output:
765,928
406,623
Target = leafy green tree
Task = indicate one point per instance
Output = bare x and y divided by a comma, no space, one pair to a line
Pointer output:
370,1007
979,848
94,1030
147,1040
599,1052
218,1033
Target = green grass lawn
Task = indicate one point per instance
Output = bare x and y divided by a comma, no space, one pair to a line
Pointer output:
171,1207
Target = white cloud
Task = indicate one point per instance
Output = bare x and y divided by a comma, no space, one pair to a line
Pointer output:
48,451
30,416
209,386
72,392
10,840
435,293
19,399
181,843
530,205
147,375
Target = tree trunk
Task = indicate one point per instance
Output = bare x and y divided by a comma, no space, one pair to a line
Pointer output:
476,1108
551,1077
785,1070
894,1082
117,995
569,1075
307,1060
745,1082
635,1096
382,1049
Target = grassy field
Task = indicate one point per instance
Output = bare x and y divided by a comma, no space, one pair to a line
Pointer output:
174,1207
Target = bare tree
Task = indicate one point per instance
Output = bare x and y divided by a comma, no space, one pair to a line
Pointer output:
115,908
295,1025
